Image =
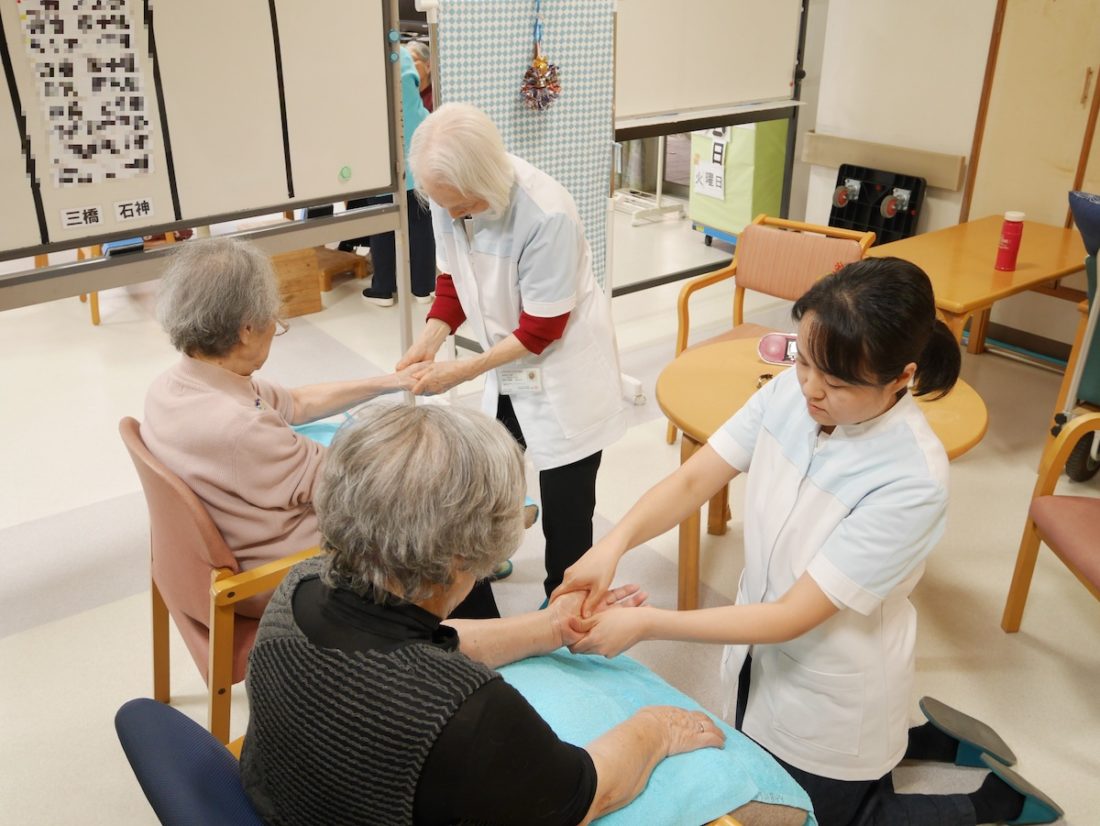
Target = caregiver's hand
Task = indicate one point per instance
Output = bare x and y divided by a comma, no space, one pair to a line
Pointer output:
609,633
592,573
567,608
440,376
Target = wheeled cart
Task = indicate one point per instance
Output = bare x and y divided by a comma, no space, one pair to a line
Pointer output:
1081,384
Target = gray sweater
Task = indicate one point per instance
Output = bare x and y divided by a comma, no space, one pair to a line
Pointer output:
379,712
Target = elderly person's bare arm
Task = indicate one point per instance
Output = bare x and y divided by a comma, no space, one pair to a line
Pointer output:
626,755
316,401
497,642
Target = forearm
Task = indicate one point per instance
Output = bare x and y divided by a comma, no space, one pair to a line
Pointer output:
316,401
497,642
433,335
802,608
625,757
670,501
506,350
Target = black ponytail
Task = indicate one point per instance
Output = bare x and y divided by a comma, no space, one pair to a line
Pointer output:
939,363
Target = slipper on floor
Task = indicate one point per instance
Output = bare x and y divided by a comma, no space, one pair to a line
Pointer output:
1038,808
974,736
530,512
501,571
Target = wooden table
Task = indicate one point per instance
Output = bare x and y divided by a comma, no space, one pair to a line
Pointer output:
706,385
959,260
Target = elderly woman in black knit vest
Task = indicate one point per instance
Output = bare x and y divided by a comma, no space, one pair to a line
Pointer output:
366,708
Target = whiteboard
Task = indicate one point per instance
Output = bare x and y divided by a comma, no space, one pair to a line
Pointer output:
676,57
143,115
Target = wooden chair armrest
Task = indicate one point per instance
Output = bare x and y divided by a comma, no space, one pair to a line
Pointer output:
692,286
231,588
1054,457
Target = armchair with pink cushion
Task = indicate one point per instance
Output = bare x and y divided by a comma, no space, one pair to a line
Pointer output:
1068,525
197,580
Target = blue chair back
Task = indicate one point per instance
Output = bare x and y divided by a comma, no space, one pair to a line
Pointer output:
188,776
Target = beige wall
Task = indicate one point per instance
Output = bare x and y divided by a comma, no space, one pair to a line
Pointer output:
902,73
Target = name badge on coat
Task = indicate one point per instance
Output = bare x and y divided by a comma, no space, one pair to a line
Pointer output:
520,380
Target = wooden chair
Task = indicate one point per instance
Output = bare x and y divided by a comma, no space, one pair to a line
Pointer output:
95,251
779,258
1068,525
197,580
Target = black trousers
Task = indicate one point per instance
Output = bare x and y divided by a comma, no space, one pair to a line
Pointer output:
568,503
383,250
866,802
348,244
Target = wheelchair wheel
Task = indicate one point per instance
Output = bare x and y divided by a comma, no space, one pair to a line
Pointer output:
1080,466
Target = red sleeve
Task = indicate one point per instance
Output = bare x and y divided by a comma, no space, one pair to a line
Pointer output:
446,307
536,333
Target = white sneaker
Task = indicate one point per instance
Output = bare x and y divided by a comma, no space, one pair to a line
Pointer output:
425,299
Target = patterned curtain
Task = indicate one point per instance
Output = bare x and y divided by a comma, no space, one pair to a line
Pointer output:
484,48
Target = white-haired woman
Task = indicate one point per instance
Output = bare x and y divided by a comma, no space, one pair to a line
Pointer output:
365,708
517,268
226,432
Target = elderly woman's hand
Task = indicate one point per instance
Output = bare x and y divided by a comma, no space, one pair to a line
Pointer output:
405,379
567,608
438,377
686,730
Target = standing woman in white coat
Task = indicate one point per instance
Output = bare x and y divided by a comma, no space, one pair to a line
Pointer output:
517,269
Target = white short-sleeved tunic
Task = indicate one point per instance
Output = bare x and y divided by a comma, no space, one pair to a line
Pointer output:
859,510
534,259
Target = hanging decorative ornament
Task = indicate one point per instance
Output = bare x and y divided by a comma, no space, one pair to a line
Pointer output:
541,83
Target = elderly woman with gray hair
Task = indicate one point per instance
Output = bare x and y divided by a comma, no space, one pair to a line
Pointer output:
365,707
223,430
517,270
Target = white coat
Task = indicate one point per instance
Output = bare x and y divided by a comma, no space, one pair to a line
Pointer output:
533,258
859,511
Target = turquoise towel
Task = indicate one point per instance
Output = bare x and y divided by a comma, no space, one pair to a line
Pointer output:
321,432
582,696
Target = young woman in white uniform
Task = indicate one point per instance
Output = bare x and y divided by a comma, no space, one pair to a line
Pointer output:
516,268
846,496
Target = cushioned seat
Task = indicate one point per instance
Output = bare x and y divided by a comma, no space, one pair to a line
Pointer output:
1068,525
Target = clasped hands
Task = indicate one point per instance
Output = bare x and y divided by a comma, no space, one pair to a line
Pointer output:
611,627
424,376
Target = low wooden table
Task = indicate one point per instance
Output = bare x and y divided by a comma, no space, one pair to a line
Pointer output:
706,385
959,260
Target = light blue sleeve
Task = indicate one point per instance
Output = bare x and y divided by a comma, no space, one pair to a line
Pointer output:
548,266
885,537
735,441
412,106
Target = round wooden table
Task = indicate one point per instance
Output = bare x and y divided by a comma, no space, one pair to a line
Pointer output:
706,385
